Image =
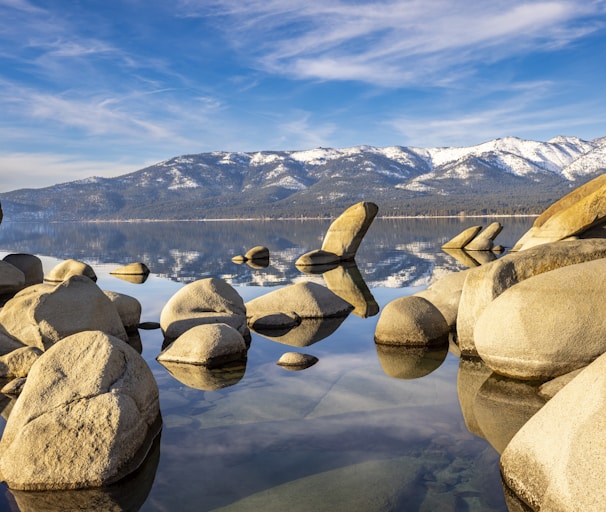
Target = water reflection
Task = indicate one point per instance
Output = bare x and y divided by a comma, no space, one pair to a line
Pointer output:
359,430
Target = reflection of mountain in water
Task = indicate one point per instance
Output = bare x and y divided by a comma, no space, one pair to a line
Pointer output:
394,253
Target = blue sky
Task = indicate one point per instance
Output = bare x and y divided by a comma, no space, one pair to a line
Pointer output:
90,88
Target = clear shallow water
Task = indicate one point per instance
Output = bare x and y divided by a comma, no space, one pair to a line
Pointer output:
364,429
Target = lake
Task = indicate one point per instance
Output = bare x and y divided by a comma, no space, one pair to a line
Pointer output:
364,429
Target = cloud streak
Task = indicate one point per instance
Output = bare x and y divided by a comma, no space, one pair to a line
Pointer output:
394,42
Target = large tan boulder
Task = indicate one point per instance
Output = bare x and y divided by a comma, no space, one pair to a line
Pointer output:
582,209
30,265
7,342
211,345
204,301
86,417
64,270
546,326
43,314
343,237
307,299
557,460
445,294
127,307
463,238
484,241
485,283
12,279
411,321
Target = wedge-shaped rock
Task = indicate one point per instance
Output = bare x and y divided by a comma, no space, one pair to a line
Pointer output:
557,460
579,211
30,265
86,417
68,268
306,299
463,238
484,241
546,326
210,345
484,284
411,321
343,237
43,314
346,281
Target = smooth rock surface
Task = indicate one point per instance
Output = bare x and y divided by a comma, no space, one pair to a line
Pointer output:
86,417
584,208
463,238
306,299
208,345
258,252
296,360
557,460
484,241
128,308
484,284
546,326
43,314
413,321
445,295
64,270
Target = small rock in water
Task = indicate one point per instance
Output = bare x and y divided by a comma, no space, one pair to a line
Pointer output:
296,361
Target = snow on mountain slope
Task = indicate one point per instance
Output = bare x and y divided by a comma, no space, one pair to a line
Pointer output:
590,162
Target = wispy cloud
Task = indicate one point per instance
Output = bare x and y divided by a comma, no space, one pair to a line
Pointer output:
393,42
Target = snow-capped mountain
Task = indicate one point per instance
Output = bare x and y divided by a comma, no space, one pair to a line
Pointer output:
508,175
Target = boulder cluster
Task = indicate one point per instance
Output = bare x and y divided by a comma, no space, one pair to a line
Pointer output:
532,342
84,412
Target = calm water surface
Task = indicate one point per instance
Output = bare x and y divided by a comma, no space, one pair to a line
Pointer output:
364,429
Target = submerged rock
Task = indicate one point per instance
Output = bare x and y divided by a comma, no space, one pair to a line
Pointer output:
86,417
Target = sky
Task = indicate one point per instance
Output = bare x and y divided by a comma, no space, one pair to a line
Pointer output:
90,88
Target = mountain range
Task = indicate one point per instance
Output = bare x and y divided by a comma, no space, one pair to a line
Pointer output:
502,176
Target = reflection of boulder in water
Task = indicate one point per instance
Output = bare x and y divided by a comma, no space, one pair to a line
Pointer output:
404,362
308,332
206,379
503,406
128,494
132,278
470,377
462,257
346,281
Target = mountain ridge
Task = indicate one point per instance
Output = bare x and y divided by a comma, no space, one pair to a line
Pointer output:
505,175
